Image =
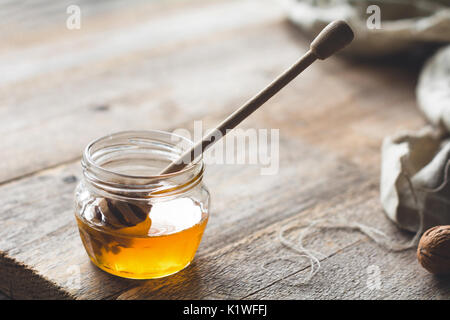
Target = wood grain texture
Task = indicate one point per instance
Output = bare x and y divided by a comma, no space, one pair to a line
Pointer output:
128,76
161,66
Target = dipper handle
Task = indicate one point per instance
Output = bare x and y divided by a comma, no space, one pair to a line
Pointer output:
331,39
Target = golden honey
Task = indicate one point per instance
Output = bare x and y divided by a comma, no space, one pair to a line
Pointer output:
168,246
133,221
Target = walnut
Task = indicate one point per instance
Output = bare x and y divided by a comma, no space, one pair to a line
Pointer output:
433,252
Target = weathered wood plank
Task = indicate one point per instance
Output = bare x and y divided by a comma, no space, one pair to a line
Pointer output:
329,151
236,271
353,272
324,179
29,23
45,227
180,27
142,86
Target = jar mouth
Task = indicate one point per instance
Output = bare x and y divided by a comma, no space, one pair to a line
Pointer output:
132,160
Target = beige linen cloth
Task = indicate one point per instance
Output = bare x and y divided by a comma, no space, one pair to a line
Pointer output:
415,191
415,169
405,24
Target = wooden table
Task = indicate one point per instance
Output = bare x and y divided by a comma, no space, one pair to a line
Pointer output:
162,65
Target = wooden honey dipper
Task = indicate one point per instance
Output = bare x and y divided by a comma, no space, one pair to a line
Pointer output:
331,39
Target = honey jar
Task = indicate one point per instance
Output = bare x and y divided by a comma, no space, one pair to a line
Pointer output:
134,222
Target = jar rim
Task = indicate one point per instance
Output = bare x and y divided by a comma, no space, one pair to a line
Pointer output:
87,156
107,178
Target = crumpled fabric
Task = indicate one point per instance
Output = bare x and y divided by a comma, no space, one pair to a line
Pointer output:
404,23
415,188
433,89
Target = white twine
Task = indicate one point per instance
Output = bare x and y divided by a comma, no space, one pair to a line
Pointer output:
314,256
374,234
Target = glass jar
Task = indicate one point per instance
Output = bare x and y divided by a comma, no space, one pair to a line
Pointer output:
133,222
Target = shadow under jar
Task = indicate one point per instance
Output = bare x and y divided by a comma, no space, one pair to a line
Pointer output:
133,222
